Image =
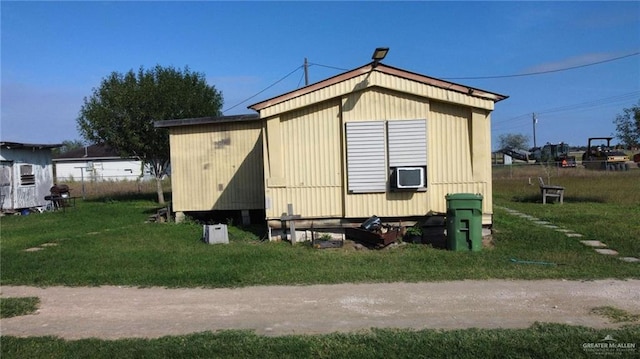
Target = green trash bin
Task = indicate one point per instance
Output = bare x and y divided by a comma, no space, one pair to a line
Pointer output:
464,222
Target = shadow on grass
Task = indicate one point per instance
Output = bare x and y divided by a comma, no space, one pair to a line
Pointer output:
129,196
570,199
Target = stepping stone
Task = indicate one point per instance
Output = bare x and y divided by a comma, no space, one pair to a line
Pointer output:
574,235
629,259
609,252
593,243
34,249
563,230
49,244
551,226
542,222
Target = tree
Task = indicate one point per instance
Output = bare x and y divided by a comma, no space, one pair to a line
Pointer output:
67,145
122,112
628,126
513,140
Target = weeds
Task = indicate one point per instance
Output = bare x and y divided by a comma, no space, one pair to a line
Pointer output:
616,315
13,307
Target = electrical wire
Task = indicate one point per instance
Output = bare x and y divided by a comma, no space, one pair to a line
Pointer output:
444,78
263,90
301,78
542,72
329,67
575,107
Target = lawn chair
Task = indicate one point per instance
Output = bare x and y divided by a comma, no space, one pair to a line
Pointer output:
551,191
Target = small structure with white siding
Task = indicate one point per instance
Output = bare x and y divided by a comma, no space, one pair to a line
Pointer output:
26,175
97,163
376,140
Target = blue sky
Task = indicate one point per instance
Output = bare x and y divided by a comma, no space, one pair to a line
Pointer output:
55,53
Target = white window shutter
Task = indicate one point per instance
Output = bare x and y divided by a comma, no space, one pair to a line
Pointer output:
407,143
366,157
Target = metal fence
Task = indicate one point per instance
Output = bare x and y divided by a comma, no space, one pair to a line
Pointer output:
112,188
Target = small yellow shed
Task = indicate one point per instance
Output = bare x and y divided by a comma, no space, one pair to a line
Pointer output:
376,140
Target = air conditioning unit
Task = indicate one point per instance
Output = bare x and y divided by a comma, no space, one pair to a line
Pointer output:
409,177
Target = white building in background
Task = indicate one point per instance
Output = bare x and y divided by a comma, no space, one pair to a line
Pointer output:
98,163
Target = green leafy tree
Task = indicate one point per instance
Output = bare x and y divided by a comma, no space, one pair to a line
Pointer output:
122,111
67,146
513,140
628,126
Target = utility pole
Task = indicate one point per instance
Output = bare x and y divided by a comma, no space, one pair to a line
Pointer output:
306,72
535,121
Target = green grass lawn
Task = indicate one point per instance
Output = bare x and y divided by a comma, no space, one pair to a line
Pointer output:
539,341
106,241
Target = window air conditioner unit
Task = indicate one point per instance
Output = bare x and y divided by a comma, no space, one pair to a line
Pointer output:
409,177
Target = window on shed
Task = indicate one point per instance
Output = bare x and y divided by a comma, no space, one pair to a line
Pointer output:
407,141
370,158
366,157
27,177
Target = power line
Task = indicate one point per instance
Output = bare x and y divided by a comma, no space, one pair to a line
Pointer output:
444,78
594,103
329,67
263,90
280,80
541,72
577,107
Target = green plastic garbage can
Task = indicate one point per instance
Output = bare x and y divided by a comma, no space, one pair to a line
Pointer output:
464,222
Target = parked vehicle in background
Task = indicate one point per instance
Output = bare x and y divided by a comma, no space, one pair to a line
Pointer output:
554,153
550,154
600,156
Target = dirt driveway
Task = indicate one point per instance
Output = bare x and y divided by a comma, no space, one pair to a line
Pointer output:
123,312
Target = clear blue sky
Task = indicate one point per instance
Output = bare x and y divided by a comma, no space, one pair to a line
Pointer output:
55,53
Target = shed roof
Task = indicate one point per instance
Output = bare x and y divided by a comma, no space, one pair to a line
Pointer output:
35,146
207,120
101,151
372,66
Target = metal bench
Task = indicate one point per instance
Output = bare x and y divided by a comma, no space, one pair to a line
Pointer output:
550,191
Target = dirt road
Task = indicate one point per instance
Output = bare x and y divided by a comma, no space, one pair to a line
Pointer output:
124,312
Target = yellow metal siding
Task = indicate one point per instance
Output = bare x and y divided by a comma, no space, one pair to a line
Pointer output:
459,155
217,167
449,153
310,147
382,104
307,136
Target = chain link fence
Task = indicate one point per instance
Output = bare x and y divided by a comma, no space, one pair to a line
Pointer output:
89,189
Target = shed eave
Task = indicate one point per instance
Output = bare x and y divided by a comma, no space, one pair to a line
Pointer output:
36,146
206,120
471,91
85,159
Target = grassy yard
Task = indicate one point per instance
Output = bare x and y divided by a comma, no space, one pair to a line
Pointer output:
105,240
602,206
539,341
